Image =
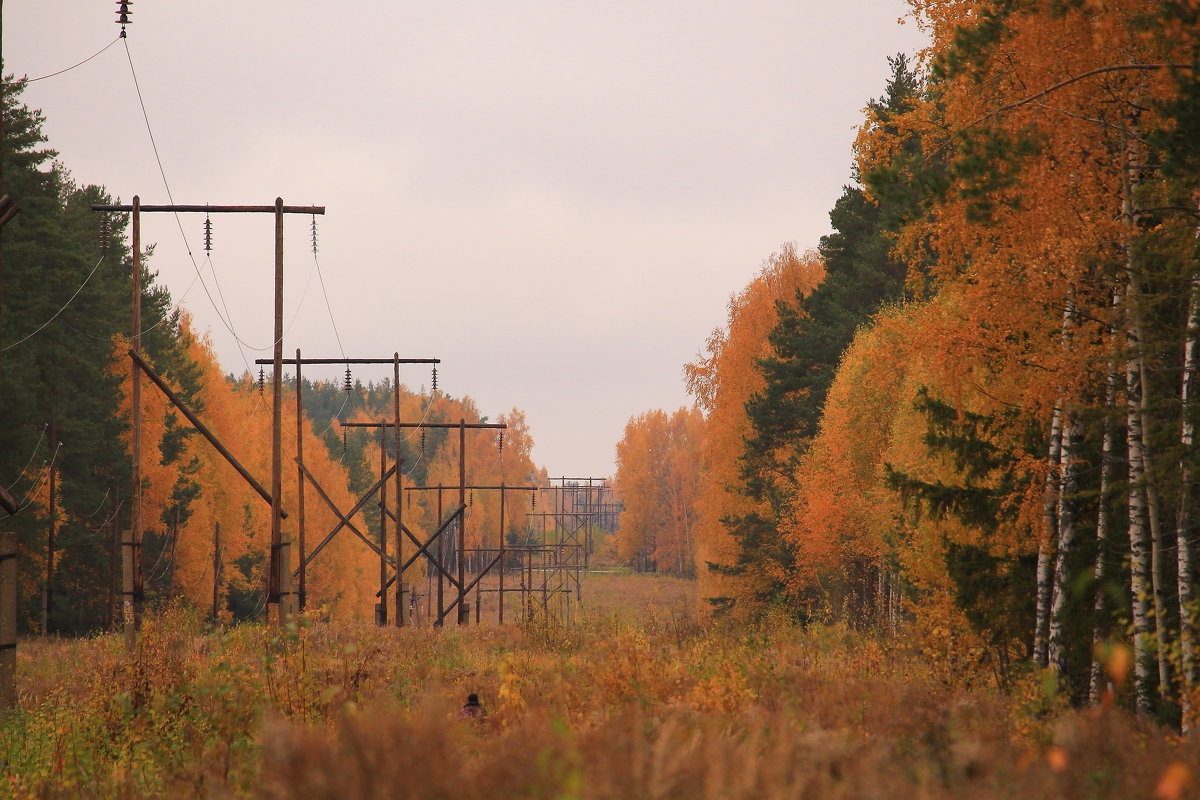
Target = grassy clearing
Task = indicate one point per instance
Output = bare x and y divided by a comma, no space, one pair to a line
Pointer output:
637,701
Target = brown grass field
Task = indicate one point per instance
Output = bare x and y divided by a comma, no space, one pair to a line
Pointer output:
633,699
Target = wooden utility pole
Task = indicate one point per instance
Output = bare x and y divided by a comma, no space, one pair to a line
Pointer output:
274,581
114,557
8,540
382,614
303,478
464,613
171,563
131,550
48,588
216,596
500,613
442,559
8,620
399,494
133,582
484,565
303,588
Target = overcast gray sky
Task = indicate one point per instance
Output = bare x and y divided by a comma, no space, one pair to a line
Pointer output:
555,198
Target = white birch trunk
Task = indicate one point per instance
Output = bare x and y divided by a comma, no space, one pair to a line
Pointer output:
1183,520
1139,543
1068,488
1045,562
1141,587
1103,525
1158,558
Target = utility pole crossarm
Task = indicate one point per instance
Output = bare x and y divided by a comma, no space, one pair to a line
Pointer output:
207,209
352,361
455,425
468,486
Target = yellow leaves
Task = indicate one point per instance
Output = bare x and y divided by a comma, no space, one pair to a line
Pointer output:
510,695
658,474
724,691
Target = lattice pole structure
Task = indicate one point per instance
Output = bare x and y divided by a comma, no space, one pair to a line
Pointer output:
456,517
486,559
577,509
458,581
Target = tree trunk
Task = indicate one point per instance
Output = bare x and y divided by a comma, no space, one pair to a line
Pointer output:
1141,576
1041,639
1139,544
1157,549
1068,488
1183,520
1103,525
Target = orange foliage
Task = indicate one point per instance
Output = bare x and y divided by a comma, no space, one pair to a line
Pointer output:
343,578
722,379
240,417
658,476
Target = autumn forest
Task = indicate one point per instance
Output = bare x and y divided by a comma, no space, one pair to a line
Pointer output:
928,522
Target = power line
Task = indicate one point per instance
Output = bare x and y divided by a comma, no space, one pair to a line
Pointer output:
43,326
101,504
226,318
178,222
36,447
28,498
321,278
61,71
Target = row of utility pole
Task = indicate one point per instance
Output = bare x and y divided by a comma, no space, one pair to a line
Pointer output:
559,557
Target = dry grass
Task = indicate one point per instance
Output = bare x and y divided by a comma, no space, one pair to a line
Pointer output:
640,703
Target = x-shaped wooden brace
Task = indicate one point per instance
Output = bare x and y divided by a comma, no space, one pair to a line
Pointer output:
573,536
466,591
423,549
344,519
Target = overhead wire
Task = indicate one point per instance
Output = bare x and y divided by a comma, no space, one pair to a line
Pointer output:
178,304
101,504
420,458
226,318
150,576
32,455
61,71
45,475
46,324
300,304
337,415
328,307
332,321
27,499
178,222
111,517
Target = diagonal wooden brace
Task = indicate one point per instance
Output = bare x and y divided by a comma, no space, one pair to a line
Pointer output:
423,549
470,586
345,519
